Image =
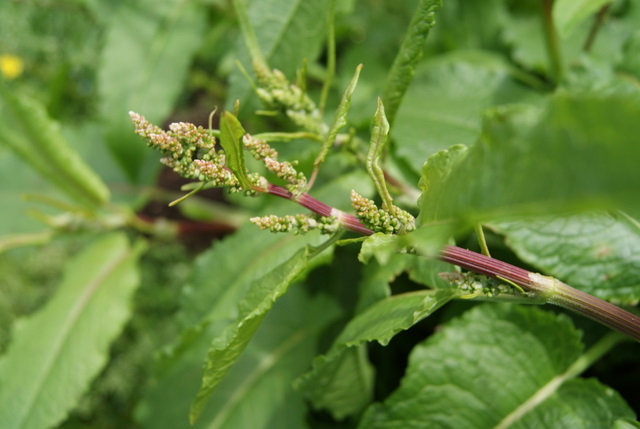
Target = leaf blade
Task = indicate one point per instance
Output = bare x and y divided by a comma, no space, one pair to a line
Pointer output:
534,347
341,380
36,138
63,350
226,349
231,133
527,161
594,252
147,53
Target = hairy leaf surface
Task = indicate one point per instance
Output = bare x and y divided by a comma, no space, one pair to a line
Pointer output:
598,253
522,355
57,351
340,380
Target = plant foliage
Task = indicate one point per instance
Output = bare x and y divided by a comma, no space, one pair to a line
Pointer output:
369,151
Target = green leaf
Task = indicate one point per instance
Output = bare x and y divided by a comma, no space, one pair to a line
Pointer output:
288,32
36,138
598,253
445,103
258,388
377,145
231,133
341,380
223,274
405,62
579,153
339,119
567,14
57,351
435,174
148,50
226,349
524,356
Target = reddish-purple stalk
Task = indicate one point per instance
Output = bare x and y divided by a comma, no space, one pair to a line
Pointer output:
551,290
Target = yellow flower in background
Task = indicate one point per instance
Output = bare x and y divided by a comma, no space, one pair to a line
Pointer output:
11,66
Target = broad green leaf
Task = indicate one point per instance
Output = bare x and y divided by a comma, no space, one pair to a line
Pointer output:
579,153
223,274
524,356
288,31
445,103
409,54
148,49
28,131
340,380
257,392
598,253
226,349
567,14
57,351
231,133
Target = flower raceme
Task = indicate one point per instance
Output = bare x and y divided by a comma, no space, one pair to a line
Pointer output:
192,153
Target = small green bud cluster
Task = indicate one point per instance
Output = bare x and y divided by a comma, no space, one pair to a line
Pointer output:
191,152
474,285
393,221
298,224
276,91
296,182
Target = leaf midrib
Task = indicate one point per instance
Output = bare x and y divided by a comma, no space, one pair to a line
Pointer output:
76,312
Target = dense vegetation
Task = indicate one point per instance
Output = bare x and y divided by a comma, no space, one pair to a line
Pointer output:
370,137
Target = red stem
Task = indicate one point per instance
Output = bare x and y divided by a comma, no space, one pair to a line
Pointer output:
552,290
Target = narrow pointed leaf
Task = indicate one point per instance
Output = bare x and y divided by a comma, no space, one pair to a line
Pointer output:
340,117
237,261
226,349
406,61
231,133
257,392
57,351
34,136
524,356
